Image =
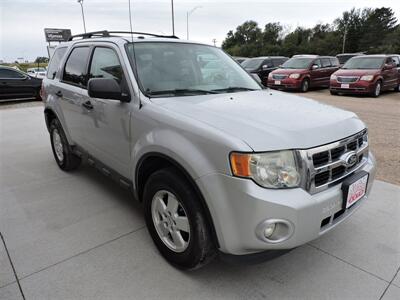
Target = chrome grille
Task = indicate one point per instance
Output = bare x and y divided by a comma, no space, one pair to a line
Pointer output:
279,76
347,79
330,164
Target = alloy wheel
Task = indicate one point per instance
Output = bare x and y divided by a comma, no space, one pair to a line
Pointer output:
58,145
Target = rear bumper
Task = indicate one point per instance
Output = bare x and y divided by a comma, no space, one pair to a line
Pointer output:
359,87
239,206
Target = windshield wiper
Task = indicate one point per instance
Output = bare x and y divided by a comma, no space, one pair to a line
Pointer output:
179,92
233,89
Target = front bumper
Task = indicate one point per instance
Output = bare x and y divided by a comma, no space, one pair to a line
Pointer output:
285,84
359,87
238,206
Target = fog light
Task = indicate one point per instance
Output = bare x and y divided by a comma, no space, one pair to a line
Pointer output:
269,230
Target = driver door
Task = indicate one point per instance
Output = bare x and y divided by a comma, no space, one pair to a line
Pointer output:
108,130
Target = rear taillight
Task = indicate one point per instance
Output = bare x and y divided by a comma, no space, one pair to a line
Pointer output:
42,93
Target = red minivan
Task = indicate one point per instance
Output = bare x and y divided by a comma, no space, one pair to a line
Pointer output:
367,74
302,72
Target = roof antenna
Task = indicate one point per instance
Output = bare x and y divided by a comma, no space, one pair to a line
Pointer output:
130,20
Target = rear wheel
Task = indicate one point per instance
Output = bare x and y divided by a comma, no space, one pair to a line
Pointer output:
176,221
305,85
63,154
377,89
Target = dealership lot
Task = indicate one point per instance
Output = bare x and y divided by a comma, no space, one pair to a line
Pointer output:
79,235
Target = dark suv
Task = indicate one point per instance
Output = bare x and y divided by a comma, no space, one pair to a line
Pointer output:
264,65
304,71
367,74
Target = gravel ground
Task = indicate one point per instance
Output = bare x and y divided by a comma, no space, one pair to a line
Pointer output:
382,115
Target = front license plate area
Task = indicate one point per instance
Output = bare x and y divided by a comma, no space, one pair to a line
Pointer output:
354,188
277,82
345,85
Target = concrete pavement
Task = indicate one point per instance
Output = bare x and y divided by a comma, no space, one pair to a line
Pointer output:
79,236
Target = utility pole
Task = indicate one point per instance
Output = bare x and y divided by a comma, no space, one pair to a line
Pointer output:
83,15
173,17
344,38
214,42
188,13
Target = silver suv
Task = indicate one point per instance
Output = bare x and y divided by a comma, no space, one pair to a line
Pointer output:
221,165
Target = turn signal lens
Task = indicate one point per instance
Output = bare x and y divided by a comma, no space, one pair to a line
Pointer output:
240,163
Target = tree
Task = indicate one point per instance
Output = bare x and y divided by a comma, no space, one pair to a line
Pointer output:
41,59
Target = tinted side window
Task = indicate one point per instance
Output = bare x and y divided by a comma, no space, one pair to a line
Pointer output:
396,60
75,68
6,73
268,63
317,62
55,62
325,62
334,62
105,64
277,62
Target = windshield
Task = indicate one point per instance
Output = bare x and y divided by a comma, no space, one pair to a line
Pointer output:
297,63
364,63
252,63
178,69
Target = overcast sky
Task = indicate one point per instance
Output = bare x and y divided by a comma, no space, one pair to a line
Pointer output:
22,21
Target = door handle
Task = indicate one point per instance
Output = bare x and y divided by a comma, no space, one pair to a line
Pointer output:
59,94
88,105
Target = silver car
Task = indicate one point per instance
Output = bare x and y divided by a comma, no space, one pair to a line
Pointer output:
221,165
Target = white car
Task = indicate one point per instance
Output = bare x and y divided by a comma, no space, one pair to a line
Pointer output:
37,72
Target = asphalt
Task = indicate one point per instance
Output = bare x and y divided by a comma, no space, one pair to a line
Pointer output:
80,236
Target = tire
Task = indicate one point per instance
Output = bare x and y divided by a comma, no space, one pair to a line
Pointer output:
377,89
65,158
305,85
193,247
333,93
397,88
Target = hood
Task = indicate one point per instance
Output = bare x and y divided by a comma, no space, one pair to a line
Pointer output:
356,72
268,120
288,71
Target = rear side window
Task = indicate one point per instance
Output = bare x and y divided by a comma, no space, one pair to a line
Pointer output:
396,60
325,62
105,64
6,73
334,62
75,68
55,62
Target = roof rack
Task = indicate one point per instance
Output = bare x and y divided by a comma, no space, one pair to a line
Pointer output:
106,33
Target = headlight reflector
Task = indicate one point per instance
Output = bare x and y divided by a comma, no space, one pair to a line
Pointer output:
294,76
333,77
270,169
367,78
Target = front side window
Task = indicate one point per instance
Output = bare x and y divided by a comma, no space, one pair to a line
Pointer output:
253,63
7,73
298,63
183,69
326,63
55,62
396,60
364,62
75,68
105,64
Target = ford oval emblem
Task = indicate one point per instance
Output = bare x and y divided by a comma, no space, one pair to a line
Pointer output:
350,159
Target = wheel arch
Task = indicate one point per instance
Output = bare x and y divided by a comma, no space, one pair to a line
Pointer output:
153,161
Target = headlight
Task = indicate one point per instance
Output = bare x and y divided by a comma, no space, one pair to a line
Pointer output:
270,75
367,77
333,77
270,169
294,76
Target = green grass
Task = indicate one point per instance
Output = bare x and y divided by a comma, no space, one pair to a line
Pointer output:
25,66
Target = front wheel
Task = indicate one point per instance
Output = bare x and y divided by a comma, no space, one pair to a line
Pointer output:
305,86
377,89
176,221
333,93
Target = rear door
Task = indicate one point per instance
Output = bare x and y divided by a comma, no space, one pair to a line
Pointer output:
317,74
71,92
328,69
108,130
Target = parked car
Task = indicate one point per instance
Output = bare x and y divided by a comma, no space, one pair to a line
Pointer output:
368,74
302,72
15,84
220,164
37,72
262,66
240,59
344,57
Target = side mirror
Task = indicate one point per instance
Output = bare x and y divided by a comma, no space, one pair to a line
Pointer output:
106,88
314,67
265,67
